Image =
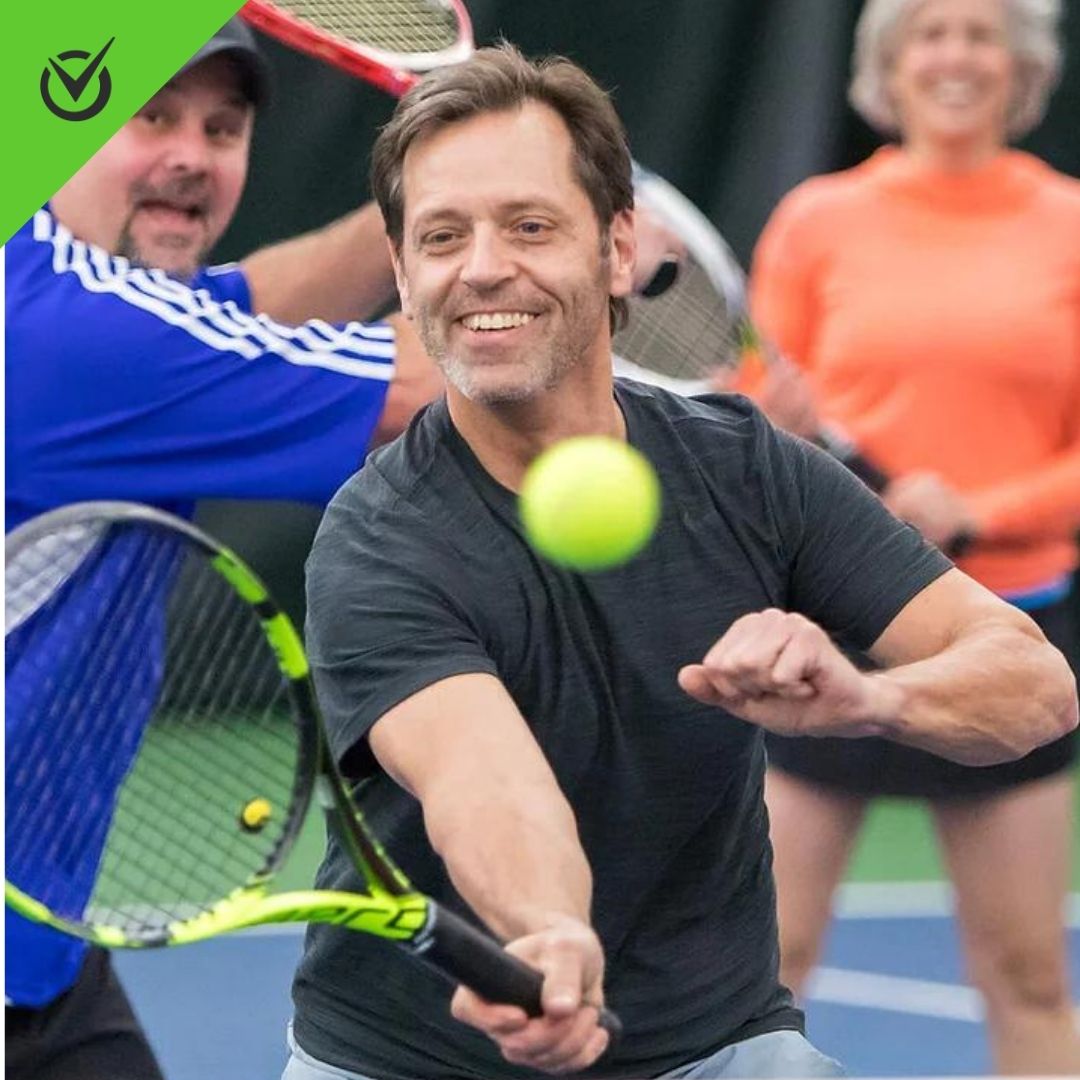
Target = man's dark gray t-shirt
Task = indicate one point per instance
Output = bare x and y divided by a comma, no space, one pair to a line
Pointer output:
420,571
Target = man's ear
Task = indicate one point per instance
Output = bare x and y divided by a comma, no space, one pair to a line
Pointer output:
400,279
623,250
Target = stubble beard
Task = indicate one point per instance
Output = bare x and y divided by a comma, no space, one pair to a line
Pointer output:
187,263
545,368
127,246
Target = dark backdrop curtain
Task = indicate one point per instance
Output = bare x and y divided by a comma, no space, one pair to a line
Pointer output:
735,101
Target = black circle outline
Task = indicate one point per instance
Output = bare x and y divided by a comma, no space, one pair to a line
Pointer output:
99,103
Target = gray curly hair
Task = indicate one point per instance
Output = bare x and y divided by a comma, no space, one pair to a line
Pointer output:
1032,27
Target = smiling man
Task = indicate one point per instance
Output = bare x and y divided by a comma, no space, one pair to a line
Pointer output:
501,336
578,759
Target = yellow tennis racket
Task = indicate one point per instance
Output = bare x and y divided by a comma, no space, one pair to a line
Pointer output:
164,744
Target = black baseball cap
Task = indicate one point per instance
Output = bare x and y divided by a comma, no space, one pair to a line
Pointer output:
236,39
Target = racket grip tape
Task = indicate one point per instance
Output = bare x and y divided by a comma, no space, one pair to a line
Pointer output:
470,956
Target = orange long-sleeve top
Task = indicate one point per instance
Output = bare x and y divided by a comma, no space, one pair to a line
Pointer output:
938,318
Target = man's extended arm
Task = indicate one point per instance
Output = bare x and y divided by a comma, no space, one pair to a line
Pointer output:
974,678
966,676
339,273
495,814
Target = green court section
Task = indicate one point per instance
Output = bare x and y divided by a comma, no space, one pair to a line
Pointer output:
897,844
178,841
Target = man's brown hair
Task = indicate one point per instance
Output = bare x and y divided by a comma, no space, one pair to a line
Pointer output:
501,79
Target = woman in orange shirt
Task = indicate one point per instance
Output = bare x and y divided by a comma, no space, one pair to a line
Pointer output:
932,296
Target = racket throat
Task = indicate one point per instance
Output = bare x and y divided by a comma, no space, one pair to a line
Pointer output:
380,875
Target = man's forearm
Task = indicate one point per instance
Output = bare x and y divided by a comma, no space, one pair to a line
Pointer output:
993,696
515,858
338,273
493,807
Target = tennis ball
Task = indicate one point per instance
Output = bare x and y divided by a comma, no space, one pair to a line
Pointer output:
590,502
256,813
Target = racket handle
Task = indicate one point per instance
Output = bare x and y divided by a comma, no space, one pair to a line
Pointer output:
468,955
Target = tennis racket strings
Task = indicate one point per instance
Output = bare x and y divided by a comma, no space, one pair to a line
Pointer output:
134,668
700,324
393,26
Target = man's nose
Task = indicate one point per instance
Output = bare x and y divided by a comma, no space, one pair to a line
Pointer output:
488,261
188,149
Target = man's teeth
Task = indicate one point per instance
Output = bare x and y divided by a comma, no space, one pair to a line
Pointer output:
497,320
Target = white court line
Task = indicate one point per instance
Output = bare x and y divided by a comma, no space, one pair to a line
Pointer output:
913,900
897,993
894,993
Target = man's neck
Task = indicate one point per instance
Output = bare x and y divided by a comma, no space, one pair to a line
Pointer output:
506,438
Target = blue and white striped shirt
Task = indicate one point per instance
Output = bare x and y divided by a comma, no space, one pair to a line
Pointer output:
123,382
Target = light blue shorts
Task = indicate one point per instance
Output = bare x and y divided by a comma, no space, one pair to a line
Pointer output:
779,1055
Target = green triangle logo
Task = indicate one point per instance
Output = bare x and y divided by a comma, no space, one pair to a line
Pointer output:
74,73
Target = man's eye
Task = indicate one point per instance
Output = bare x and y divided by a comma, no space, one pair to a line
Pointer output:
223,132
532,228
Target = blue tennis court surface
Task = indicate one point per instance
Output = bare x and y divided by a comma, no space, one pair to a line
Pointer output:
889,1001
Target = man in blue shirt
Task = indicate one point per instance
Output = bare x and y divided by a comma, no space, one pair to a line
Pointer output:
136,372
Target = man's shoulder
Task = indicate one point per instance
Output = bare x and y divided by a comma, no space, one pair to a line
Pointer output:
29,251
414,521
398,480
29,231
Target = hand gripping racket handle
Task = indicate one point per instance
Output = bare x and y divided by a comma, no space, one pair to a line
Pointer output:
461,951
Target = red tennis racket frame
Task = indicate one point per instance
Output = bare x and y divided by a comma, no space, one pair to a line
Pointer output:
394,73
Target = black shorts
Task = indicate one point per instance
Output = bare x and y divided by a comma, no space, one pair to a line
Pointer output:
880,767
88,1033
